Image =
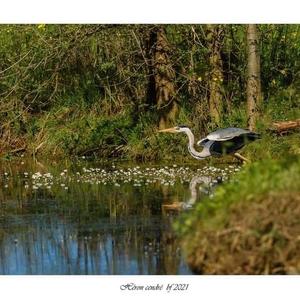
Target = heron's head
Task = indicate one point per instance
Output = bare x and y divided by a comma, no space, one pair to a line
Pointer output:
177,129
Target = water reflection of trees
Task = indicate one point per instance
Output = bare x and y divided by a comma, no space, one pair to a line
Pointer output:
87,230
51,245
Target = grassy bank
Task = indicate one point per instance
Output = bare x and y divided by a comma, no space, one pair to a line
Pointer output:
251,225
89,90
70,131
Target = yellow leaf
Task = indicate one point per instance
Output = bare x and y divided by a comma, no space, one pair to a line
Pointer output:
41,26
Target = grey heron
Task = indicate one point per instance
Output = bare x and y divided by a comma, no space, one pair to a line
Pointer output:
217,143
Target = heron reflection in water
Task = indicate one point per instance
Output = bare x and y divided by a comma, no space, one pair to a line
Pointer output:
217,143
208,185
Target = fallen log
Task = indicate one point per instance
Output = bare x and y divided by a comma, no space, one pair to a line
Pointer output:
284,126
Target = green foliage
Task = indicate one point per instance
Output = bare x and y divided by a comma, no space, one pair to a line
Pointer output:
250,224
255,182
83,87
81,133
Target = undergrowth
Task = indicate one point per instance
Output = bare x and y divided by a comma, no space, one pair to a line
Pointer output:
74,131
251,224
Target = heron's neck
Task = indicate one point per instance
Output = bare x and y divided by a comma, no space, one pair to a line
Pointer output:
193,152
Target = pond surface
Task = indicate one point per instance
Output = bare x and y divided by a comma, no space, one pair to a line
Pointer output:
90,218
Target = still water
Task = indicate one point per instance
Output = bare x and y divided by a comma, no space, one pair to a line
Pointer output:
89,218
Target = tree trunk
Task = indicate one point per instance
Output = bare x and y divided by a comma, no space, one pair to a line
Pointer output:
215,40
254,97
161,88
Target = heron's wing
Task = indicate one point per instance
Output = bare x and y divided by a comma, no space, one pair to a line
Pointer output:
226,134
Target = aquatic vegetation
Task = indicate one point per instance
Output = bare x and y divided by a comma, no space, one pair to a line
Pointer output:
113,175
92,218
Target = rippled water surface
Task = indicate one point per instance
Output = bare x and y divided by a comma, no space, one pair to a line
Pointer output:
90,218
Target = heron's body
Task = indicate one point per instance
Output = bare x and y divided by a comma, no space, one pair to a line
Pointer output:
217,143
227,141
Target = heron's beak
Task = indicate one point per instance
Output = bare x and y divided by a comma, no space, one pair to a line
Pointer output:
169,130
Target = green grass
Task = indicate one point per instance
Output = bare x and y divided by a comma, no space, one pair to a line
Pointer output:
76,130
260,203
258,178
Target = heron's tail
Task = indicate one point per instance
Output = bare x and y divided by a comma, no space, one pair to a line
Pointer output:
253,136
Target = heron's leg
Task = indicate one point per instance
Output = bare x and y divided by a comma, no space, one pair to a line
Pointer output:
240,157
